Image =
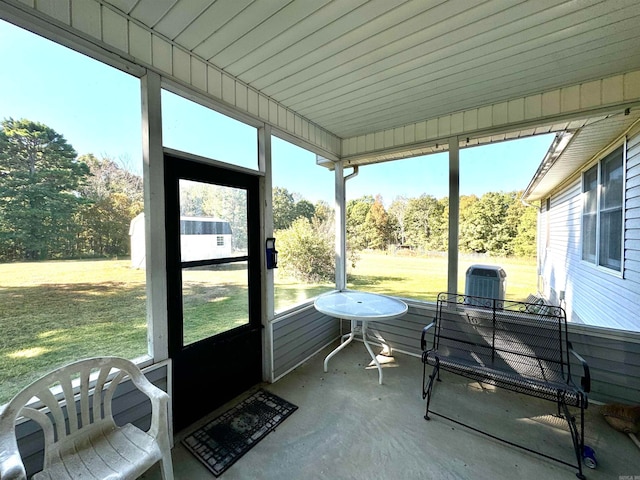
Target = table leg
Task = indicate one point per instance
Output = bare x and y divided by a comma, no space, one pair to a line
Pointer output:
386,348
366,344
343,343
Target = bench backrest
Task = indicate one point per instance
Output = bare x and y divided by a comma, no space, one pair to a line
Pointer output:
524,338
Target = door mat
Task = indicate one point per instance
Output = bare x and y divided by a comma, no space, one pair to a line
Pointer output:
221,442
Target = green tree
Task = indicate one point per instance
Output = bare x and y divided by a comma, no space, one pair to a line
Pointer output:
398,211
377,228
40,178
524,219
424,223
304,208
323,211
284,208
357,211
106,177
324,220
483,224
467,241
115,197
305,255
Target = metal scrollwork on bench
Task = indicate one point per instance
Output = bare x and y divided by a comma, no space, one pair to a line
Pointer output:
519,346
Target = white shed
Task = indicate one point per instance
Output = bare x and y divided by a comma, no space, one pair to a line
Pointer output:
136,236
200,238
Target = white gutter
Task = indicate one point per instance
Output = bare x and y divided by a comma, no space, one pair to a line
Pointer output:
341,223
557,147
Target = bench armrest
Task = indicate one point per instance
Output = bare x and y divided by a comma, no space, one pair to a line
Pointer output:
585,382
423,341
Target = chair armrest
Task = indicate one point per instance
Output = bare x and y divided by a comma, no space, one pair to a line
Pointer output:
11,466
159,404
585,381
159,398
423,341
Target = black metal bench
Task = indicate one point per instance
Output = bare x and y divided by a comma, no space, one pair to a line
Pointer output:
519,346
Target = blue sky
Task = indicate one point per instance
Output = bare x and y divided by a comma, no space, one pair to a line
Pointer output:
97,109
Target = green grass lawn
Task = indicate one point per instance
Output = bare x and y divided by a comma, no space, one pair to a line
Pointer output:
424,277
52,313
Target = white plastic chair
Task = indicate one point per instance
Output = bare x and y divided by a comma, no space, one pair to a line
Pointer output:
82,440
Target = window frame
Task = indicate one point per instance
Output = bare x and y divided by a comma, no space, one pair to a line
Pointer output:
599,210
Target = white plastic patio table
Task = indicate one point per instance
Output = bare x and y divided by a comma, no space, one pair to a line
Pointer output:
362,307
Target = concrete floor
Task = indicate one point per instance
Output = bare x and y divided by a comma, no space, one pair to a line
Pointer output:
348,426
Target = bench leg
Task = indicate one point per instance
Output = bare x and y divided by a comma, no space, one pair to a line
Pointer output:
426,393
576,436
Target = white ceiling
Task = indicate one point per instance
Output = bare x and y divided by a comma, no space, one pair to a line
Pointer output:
354,67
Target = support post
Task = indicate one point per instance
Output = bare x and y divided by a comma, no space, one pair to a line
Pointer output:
454,214
154,217
266,231
341,227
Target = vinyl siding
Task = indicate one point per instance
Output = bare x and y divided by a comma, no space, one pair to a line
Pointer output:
614,361
632,213
300,335
593,295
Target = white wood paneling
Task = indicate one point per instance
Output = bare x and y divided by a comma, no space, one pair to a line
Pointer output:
115,30
181,65
178,18
229,89
271,27
140,43
632,205
304,53
124,5
209,21
58,9
199,74
85,16
494,64
415,41
237,26
161,54
150,13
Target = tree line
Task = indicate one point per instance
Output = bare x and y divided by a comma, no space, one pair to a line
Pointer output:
496,223
55,204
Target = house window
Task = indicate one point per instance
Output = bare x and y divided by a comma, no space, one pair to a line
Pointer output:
602,226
